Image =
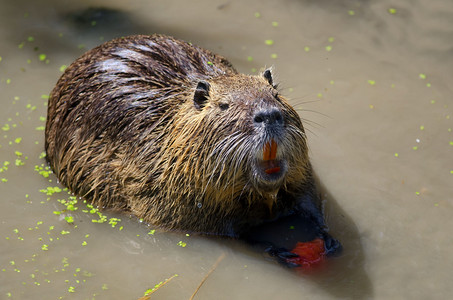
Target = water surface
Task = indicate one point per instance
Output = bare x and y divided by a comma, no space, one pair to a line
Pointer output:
371,79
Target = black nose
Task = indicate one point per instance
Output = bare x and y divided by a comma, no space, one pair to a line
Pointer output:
268,117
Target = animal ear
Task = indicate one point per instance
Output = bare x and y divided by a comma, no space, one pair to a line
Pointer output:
267,74
201,94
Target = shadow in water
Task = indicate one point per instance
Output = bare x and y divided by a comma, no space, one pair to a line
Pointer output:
342,276
108,23
71,29
345,275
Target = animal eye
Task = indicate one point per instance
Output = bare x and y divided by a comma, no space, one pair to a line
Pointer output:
224,106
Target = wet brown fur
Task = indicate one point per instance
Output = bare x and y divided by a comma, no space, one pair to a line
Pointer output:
123,132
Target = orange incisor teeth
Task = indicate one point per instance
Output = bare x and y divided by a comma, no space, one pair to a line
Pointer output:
272,170
270,151
269,155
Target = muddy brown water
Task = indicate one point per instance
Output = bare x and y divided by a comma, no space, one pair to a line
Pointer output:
371,79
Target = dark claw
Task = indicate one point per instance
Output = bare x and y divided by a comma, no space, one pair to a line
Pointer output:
280,252
288,263
333,247
283,255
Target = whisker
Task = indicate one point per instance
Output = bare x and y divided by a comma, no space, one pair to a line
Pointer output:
298,104
225,149
313,111
312,123
246,185
296,132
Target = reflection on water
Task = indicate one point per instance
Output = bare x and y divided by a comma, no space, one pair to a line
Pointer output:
371,79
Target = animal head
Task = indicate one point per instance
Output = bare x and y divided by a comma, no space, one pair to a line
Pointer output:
236,136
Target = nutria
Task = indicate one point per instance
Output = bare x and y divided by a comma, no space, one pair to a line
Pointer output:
175,135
